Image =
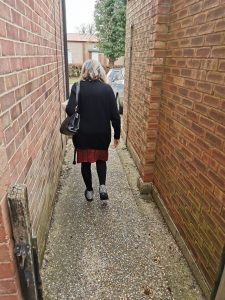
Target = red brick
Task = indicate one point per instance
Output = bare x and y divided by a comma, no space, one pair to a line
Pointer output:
19,49
220,130
20,7
201,108
26,23
11,81
189,52
219,90
217,116
199,165
205,122
7,270
190,83
7,286
5,12
203,52
11,132
200,18
209,64
197,129
199,75
220,25
213,165
16,18
10,150
2,28
187,103
22,77
10,2
23,35
196,96
206,28
192,31
213,140
209,4
183,13
214,39
192,115
5,254
187,22
15,111
3,235
216,13
2,85
196,41
20,93
211,101
7,101
219,219
7,48
5,120
195,8
5,66
221,65
219,156
218,180
186,72
202,144
15,64
218,52
216,77
204,87
12,32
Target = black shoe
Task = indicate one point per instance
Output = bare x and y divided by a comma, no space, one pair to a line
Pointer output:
103,192
89,195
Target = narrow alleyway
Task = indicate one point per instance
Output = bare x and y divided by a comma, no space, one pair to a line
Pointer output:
122,251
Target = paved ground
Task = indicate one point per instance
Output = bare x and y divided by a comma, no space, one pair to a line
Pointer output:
122,251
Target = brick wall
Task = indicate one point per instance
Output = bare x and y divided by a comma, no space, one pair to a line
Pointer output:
149,19
190,164
189,167
31,88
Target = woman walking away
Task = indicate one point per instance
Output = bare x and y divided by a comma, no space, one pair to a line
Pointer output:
98,110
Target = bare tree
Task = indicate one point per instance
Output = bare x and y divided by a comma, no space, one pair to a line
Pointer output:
86,29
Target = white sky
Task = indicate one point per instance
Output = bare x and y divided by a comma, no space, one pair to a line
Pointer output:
79,12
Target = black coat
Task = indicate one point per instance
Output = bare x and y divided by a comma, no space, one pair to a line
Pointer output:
98,109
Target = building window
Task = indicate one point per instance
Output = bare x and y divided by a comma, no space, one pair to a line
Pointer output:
70,57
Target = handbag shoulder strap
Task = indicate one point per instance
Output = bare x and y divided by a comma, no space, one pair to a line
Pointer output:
77,94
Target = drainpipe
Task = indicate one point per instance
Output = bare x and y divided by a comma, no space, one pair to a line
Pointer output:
65,48
129,80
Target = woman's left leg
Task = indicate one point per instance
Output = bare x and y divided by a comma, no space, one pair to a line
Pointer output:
101,170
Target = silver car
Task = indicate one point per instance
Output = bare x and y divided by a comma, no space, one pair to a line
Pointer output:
116,80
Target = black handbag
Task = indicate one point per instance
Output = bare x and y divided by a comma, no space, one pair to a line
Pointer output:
70,125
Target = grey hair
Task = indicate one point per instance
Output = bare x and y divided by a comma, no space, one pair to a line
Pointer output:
93,70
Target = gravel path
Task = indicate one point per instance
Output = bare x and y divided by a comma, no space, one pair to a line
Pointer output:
121,251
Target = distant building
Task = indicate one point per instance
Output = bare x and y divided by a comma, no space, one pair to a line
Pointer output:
84,46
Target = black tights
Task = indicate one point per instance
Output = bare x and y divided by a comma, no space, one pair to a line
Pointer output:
86,173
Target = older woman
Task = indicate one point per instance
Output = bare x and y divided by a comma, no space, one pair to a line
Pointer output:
98,110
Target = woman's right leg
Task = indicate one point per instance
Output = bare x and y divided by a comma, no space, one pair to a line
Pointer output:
86,173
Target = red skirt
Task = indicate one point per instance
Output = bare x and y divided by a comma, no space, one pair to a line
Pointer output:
91,155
